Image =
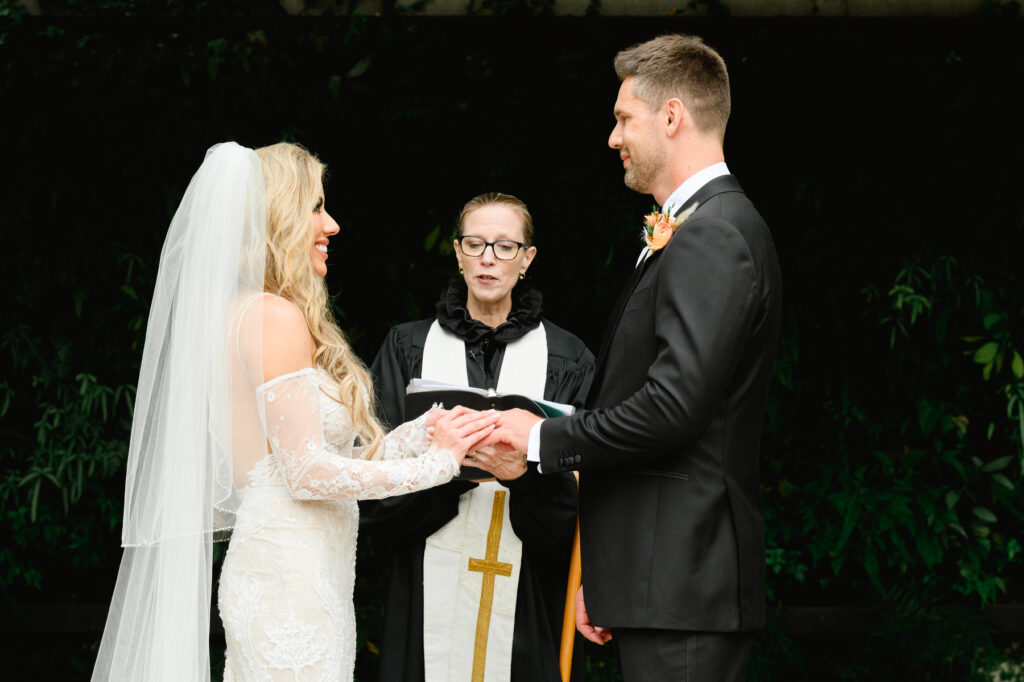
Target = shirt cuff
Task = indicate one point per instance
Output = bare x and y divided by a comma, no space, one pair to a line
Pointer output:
533,445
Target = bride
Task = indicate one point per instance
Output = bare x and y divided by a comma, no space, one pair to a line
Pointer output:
249,409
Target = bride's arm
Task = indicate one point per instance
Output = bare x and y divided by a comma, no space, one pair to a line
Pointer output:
410,439
290,404
294,427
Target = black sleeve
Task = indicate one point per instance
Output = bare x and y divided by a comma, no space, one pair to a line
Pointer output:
570,368
542,509
406,518
576,383
699,340
390,377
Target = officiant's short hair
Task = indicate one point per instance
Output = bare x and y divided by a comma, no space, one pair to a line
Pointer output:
680,66
499,199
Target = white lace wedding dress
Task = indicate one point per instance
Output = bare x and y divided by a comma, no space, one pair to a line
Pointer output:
285,592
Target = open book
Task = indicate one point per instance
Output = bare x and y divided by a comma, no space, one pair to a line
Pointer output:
421,394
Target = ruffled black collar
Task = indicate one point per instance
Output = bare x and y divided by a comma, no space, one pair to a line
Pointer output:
453,316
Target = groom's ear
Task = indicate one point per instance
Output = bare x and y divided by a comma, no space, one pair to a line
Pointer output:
673,114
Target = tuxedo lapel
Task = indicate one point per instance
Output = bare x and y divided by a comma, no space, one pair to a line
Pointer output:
723,183
613,320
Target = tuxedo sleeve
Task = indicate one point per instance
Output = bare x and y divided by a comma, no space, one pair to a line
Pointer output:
704,303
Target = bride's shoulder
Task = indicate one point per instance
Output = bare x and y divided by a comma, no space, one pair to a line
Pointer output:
287,342
282,311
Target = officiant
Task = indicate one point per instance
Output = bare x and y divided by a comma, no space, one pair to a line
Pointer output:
492,553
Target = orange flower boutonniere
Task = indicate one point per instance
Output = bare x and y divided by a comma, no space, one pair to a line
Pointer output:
659,226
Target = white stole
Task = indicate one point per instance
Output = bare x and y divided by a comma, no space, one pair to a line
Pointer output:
451,591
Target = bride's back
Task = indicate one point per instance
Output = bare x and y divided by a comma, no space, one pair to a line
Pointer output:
249,442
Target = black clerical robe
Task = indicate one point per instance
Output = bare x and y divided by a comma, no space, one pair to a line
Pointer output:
542,509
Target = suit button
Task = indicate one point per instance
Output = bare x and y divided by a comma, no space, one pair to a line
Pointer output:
578,458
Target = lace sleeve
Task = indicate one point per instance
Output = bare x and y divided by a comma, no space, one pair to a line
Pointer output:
294,427
406,440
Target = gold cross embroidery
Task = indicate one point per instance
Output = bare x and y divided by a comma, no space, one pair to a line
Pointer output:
489,566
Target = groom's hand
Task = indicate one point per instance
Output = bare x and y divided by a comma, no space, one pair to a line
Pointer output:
501,460
594,633
513,429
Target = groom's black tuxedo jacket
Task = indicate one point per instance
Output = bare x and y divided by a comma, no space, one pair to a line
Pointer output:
670,516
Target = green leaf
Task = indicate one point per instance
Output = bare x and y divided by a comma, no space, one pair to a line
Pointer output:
360,68
79,301
984,514
977,462
431,238
986,353
35,500
997,464
334,86
786,488
1018,365
992,319
1003,481
959,529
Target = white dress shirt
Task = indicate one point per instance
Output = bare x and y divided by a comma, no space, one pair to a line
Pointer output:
680,196
686,190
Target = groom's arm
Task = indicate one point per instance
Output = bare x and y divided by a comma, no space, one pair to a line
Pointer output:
705,306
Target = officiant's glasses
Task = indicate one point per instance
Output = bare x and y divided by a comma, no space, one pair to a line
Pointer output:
503,249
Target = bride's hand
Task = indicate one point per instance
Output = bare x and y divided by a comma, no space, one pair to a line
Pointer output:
433,414
460,428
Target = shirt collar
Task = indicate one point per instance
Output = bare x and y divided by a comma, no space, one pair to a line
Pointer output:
693,183
686,190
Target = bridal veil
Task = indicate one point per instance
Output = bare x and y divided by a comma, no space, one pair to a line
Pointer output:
179,492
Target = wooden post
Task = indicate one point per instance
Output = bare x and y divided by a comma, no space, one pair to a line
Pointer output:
569,617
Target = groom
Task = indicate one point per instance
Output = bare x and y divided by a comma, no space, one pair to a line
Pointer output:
671,523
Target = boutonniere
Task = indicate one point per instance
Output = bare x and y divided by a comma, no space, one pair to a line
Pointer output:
659,226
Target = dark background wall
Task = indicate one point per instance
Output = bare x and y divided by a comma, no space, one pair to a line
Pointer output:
883,153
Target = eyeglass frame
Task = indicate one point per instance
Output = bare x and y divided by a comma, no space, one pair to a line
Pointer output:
521,246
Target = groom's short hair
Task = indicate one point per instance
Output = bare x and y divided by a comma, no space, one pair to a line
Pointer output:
680,66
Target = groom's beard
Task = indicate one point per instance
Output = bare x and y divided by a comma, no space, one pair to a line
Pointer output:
640,176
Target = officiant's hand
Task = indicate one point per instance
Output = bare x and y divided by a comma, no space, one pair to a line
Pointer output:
594,633
514,429
501,460
458,430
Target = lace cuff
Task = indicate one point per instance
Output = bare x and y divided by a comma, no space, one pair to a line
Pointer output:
294,428
407,440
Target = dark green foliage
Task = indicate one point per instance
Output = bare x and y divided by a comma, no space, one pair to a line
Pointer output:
893,453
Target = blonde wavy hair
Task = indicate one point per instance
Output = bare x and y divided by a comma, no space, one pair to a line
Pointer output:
294,182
